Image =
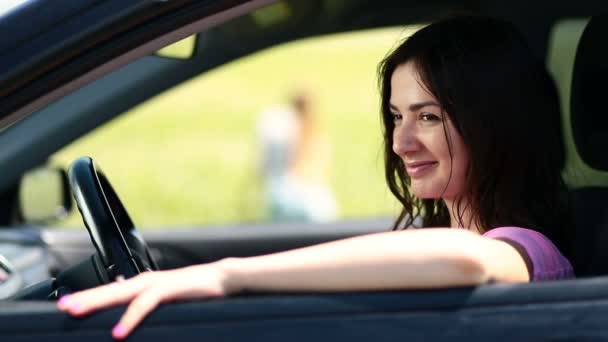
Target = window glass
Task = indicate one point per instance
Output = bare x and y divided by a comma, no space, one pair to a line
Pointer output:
215,149
273,14
182,49
561,54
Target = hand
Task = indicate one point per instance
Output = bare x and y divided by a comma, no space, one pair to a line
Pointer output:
146,291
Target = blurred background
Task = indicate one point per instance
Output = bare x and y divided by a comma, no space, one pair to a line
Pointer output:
195,154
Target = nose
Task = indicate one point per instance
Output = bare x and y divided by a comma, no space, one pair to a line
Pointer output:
404,139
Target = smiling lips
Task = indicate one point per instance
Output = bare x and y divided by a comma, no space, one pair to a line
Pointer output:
420,168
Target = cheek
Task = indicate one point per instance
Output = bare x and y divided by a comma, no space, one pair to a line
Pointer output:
459,171
460,163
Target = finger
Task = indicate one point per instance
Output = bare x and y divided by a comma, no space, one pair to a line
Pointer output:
82,303
139,308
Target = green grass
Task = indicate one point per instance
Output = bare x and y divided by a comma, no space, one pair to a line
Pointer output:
188,156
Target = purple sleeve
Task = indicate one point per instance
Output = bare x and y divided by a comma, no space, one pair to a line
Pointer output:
544,260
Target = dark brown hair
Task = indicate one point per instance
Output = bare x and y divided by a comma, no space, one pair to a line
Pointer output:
504,105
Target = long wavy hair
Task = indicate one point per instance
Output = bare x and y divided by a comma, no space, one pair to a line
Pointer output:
505,106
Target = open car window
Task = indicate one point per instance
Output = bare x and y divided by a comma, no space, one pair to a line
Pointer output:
206,151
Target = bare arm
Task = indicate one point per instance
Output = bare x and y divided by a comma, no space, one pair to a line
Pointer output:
425,258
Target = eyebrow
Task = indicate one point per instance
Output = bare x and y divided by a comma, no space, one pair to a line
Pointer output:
416,106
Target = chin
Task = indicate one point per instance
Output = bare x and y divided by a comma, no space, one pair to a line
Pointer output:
434,189
426,194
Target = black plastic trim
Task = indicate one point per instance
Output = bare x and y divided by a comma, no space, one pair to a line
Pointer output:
551,311
111,40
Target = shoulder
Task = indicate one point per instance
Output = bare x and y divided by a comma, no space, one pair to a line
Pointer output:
543,258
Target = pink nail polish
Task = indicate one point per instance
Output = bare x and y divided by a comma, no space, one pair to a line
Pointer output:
75,307
119,331
63,302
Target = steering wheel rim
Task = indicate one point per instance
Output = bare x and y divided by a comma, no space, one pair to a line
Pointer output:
120,248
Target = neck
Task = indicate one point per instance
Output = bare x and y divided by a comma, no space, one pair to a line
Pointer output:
465,219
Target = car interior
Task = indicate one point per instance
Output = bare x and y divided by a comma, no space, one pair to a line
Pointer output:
589,69
37,263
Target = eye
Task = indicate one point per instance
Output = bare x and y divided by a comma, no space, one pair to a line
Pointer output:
396,117
429,117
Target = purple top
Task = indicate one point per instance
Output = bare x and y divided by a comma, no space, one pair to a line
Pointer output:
543,259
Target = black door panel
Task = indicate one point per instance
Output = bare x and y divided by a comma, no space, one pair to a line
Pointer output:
567,310
186,246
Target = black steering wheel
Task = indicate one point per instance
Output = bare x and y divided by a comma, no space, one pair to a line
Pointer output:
121,251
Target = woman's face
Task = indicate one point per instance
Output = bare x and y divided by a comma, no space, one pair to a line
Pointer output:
420,141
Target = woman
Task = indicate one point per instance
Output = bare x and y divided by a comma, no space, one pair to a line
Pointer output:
472,141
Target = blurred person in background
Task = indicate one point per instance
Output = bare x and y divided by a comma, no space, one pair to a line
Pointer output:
295,160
